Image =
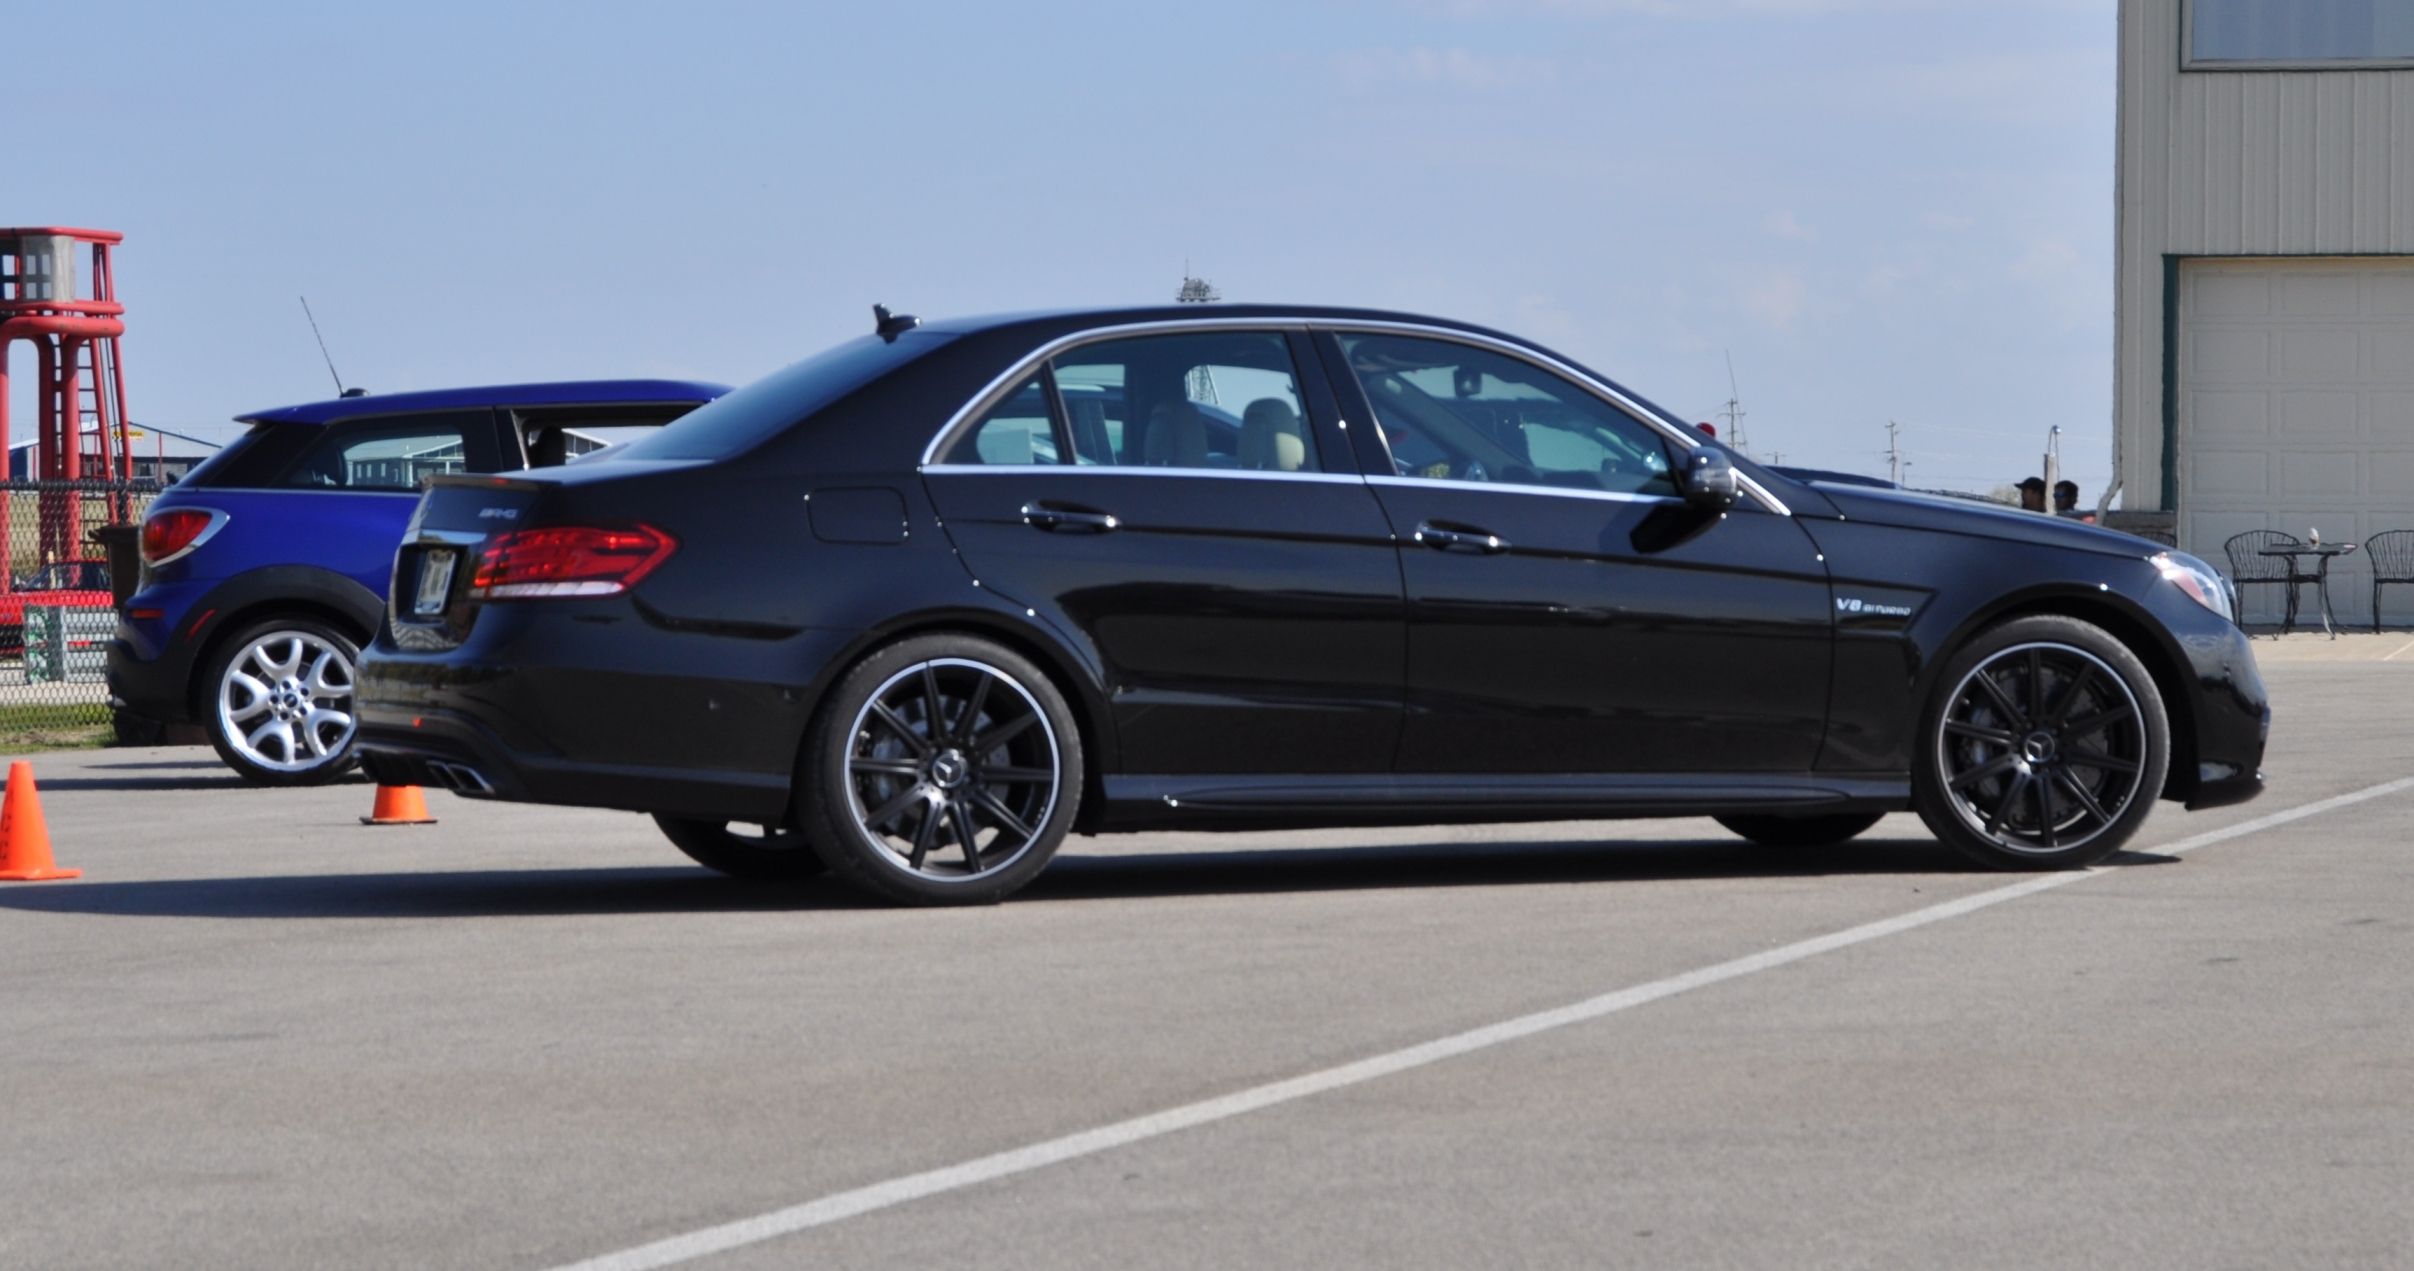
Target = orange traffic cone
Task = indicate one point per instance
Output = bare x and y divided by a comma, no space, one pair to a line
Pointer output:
24,836
399,805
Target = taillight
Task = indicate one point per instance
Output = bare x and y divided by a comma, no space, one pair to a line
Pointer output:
171,532
572,560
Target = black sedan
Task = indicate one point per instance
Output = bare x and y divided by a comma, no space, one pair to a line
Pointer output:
914,609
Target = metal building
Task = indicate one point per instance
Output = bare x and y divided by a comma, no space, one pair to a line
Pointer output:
2264,374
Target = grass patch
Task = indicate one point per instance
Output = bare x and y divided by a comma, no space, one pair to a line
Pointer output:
55,726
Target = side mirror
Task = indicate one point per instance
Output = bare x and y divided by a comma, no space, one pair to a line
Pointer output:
1708,479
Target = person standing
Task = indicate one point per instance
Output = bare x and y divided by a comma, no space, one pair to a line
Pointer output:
2032,494
2066,502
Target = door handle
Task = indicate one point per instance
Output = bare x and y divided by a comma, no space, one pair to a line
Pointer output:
1067,520
1452,538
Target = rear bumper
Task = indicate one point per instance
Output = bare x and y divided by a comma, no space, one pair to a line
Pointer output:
575,703
150,666
454,753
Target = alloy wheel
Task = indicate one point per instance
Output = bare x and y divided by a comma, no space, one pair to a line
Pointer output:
2042,747
952,770
285,702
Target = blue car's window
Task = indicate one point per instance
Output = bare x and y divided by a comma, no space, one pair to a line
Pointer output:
756,413
386,454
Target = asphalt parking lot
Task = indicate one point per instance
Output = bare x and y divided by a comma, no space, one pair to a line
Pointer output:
258,1034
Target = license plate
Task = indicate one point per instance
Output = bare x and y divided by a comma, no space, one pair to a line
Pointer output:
435,581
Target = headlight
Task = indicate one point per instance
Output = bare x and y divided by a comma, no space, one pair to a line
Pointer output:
2203,584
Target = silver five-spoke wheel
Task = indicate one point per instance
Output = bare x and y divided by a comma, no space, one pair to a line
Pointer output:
282,710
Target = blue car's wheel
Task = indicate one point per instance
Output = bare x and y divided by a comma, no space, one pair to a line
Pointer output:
279,702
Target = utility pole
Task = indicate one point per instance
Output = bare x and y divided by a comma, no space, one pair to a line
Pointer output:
2053,458
1894,452
1733,414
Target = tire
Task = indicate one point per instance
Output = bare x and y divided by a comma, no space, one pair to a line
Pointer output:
292,671
773,854
927,744
1800,831
2043,746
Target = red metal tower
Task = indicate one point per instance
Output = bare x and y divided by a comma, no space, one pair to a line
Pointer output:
80,378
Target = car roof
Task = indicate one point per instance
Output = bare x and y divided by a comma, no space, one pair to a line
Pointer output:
1191,313
562,393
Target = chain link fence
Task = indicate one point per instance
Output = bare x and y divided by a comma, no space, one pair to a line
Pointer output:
59,607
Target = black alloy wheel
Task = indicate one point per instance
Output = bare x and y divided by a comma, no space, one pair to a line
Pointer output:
1799,831
766,853
2047,746
943,770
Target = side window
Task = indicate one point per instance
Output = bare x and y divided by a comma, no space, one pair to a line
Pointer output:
1455,412
1018,430
553,435
385,454
1220,401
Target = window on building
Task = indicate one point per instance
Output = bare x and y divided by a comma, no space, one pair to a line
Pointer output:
2241,33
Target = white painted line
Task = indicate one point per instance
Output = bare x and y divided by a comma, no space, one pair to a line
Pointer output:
2400,649
1023,1160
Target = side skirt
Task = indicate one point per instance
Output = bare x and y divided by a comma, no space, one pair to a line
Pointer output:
1234,801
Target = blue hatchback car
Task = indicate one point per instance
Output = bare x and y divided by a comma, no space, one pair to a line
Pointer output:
265,568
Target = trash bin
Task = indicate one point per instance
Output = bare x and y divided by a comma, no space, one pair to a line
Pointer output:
123,541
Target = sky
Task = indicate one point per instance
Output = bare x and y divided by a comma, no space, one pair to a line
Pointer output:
1877,209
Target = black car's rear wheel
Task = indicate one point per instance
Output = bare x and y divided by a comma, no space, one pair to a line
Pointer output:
764,852
1800,831
942,770
2045,746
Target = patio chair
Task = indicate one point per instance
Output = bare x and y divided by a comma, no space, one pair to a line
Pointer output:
2392,555
2250,568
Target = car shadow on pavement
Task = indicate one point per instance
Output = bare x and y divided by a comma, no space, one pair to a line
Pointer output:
690,889
1497,864
501,893
199,780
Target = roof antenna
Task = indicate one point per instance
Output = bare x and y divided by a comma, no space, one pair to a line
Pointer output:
888,326
340,390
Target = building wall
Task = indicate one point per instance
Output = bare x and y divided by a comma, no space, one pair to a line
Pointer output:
2236,163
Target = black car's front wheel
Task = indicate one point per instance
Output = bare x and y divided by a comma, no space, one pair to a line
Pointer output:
2044,746
943,770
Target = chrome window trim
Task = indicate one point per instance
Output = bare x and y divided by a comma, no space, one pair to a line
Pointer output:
1520,487
1111,469
1686,439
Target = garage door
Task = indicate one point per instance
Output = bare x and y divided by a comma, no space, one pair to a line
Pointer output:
2296,411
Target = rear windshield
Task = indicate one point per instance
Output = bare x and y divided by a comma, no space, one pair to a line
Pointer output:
252,459
761,410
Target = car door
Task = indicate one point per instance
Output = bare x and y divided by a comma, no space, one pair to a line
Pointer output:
1567,611
1182,501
